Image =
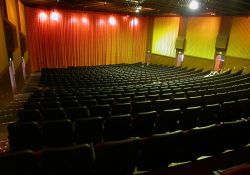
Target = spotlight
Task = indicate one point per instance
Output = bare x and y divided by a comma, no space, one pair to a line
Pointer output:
112,21
134,22
194,5
42,16
54,16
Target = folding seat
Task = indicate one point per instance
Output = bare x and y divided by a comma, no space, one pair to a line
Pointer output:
228,111
124,100
25,135
175,90
74,113
121,108
57,133
139,98
88,130
179,95
160,105
242,108
231,96
190,117
85,97
109,101
153,97
211,91
54,114
88,103
195,101
29,115
221,97
115,96
143,124
32,105
117,127
78,159
141,106
100,111
21,162
117,157
152,92
51,98
166,90
70,103
160,150
205,140
100,96
129,94
211,115
179,103
51,104
242,93
35,100
67,98
234,134
209,99
168,120
167,96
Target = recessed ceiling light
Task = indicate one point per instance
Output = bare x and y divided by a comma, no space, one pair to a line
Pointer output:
194,5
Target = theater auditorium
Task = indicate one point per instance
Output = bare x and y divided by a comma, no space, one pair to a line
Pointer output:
125,87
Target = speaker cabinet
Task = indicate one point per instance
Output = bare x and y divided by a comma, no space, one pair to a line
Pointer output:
221,43
23,43
180,43
10,36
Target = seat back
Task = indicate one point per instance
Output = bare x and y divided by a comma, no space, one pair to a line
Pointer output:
117,157
143,123
67,160
117,127
88,130
57,133
22,162
168,120
25,135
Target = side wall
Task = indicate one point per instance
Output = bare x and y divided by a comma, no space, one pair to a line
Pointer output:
16,15
195,62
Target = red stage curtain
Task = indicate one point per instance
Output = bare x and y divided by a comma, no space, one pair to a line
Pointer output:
84,39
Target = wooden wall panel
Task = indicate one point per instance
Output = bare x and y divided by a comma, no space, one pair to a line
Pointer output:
5,88
163,60
236,64
193,62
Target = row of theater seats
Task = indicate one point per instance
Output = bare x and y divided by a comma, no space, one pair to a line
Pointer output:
131,74
31,135
104,97
193,109
121,157
105,158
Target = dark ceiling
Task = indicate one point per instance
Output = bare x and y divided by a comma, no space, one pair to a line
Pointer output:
150,7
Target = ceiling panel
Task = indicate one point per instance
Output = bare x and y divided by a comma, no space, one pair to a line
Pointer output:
150,7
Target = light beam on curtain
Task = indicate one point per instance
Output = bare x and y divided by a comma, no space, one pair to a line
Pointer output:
84,39
201,36
165,33
239,41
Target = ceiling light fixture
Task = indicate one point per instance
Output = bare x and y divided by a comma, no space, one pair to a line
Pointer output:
194,5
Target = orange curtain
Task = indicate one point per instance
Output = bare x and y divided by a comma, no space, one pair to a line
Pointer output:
84,39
